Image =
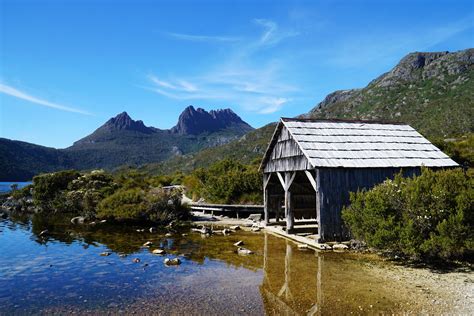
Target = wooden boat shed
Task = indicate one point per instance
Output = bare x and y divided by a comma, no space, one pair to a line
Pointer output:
311,166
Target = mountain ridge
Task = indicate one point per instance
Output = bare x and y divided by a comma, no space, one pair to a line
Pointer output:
433,92
121,141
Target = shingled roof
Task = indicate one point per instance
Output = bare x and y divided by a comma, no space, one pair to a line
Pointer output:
361,144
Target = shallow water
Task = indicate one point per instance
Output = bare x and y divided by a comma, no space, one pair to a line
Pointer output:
64,272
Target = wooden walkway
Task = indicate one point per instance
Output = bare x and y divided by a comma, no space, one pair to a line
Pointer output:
227,209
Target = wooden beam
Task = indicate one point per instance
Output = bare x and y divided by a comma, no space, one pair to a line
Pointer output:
311,179
266,179
290,218
282,181
290,179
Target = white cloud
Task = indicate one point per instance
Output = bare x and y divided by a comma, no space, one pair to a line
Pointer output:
272,104
237,79
8,90
272,35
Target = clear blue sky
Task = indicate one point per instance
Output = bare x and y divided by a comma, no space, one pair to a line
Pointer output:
68,66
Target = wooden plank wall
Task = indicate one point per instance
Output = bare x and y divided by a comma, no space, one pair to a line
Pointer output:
286,155
335,185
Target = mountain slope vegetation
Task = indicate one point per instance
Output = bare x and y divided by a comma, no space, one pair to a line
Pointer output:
433,92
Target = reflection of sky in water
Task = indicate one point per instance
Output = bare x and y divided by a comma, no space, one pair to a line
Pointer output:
65,272
58,274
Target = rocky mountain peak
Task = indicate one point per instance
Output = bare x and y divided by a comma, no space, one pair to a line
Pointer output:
124,122
196,121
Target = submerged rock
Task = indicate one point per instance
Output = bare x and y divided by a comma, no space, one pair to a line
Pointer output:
172,262
78,220
244,251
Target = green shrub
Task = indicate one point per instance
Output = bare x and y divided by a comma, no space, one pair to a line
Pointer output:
429,216
138,205
84,193
227,181
22,193
48,189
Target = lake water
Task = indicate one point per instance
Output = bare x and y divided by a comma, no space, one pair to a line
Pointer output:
64,272
6,186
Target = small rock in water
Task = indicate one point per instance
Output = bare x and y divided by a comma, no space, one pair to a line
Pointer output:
236,227
78,220
168,234
43,233
105,254
152,230
239,243
244,251
136,260
147,244
172,262
158,252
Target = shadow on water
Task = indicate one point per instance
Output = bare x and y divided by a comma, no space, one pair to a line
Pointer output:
62,271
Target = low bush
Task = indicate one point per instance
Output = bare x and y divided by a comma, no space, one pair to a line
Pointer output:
48,189
139,205
227,181
425,217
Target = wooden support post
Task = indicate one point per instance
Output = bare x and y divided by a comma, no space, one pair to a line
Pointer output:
290,217
266,179
289,177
